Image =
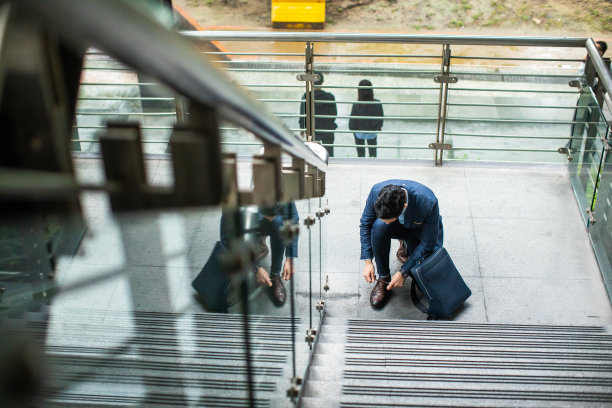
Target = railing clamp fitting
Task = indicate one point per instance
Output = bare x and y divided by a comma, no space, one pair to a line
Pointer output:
310,220
289,231
327,210
575,83
308,77
445,79
320,305
591,216
326,287
294,389
566,150
310,335
320,213
440,146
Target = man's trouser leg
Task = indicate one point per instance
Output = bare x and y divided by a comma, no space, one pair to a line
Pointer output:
271,229
381,243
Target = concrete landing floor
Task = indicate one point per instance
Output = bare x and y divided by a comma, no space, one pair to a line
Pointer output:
514,232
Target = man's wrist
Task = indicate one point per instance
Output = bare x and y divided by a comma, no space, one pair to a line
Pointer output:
367,261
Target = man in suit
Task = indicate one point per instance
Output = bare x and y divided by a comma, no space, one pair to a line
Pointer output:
271,219
404,210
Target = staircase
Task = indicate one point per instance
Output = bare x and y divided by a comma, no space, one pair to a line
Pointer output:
103,359
399,363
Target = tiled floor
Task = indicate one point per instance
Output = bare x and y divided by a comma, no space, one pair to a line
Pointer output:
514,232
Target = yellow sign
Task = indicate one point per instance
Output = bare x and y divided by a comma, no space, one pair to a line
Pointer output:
298,13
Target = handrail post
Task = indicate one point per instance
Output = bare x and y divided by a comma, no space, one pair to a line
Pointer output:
443,80
309,120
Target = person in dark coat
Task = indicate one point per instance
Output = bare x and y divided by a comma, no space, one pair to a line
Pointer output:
365,129
404,210
325,105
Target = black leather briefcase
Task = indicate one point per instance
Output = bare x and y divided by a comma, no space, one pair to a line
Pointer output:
212,283
441,285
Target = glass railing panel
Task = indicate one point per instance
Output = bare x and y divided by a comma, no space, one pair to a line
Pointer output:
588,132
275,301
404,123
110,91
119,323
601,230
267,72
517,108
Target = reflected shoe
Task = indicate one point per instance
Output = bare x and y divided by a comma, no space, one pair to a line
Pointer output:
380,294
402,255
278,291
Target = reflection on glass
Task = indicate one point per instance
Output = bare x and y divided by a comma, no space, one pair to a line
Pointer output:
601,231
125,326
587,151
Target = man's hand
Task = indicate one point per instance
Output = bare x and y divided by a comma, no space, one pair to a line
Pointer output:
288,269
263,277
368,271
396,281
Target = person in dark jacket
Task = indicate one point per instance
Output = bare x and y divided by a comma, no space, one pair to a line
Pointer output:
325,105
404,210
365,129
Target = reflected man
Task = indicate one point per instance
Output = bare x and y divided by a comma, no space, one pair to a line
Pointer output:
404,210
271,219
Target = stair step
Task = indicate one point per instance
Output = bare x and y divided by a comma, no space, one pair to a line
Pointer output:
403,363
313,402
325,372
325,337
322,389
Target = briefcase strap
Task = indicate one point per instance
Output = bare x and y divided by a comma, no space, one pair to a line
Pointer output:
415,298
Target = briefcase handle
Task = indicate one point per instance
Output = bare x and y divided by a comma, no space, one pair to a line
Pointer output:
416,301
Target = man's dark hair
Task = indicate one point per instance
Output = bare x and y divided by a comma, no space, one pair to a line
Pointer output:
603,46
320,81
390,202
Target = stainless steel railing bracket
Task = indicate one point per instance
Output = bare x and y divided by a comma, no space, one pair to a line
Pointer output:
566,150
440,146
445,79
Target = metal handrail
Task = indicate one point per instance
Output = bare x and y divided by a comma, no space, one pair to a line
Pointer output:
301,36
167,57
571,42
602,70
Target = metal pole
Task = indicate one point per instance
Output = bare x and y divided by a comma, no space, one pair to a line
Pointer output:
440,97
446,61
443,79
309,120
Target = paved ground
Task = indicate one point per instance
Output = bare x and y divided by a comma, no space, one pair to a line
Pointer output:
514,231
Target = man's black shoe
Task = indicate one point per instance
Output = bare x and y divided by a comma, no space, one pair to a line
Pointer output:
380,294
278,291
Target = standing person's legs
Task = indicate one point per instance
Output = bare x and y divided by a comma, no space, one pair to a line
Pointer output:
360,150
381,244
372,142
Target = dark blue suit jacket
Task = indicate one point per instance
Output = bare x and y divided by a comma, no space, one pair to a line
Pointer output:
422,214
